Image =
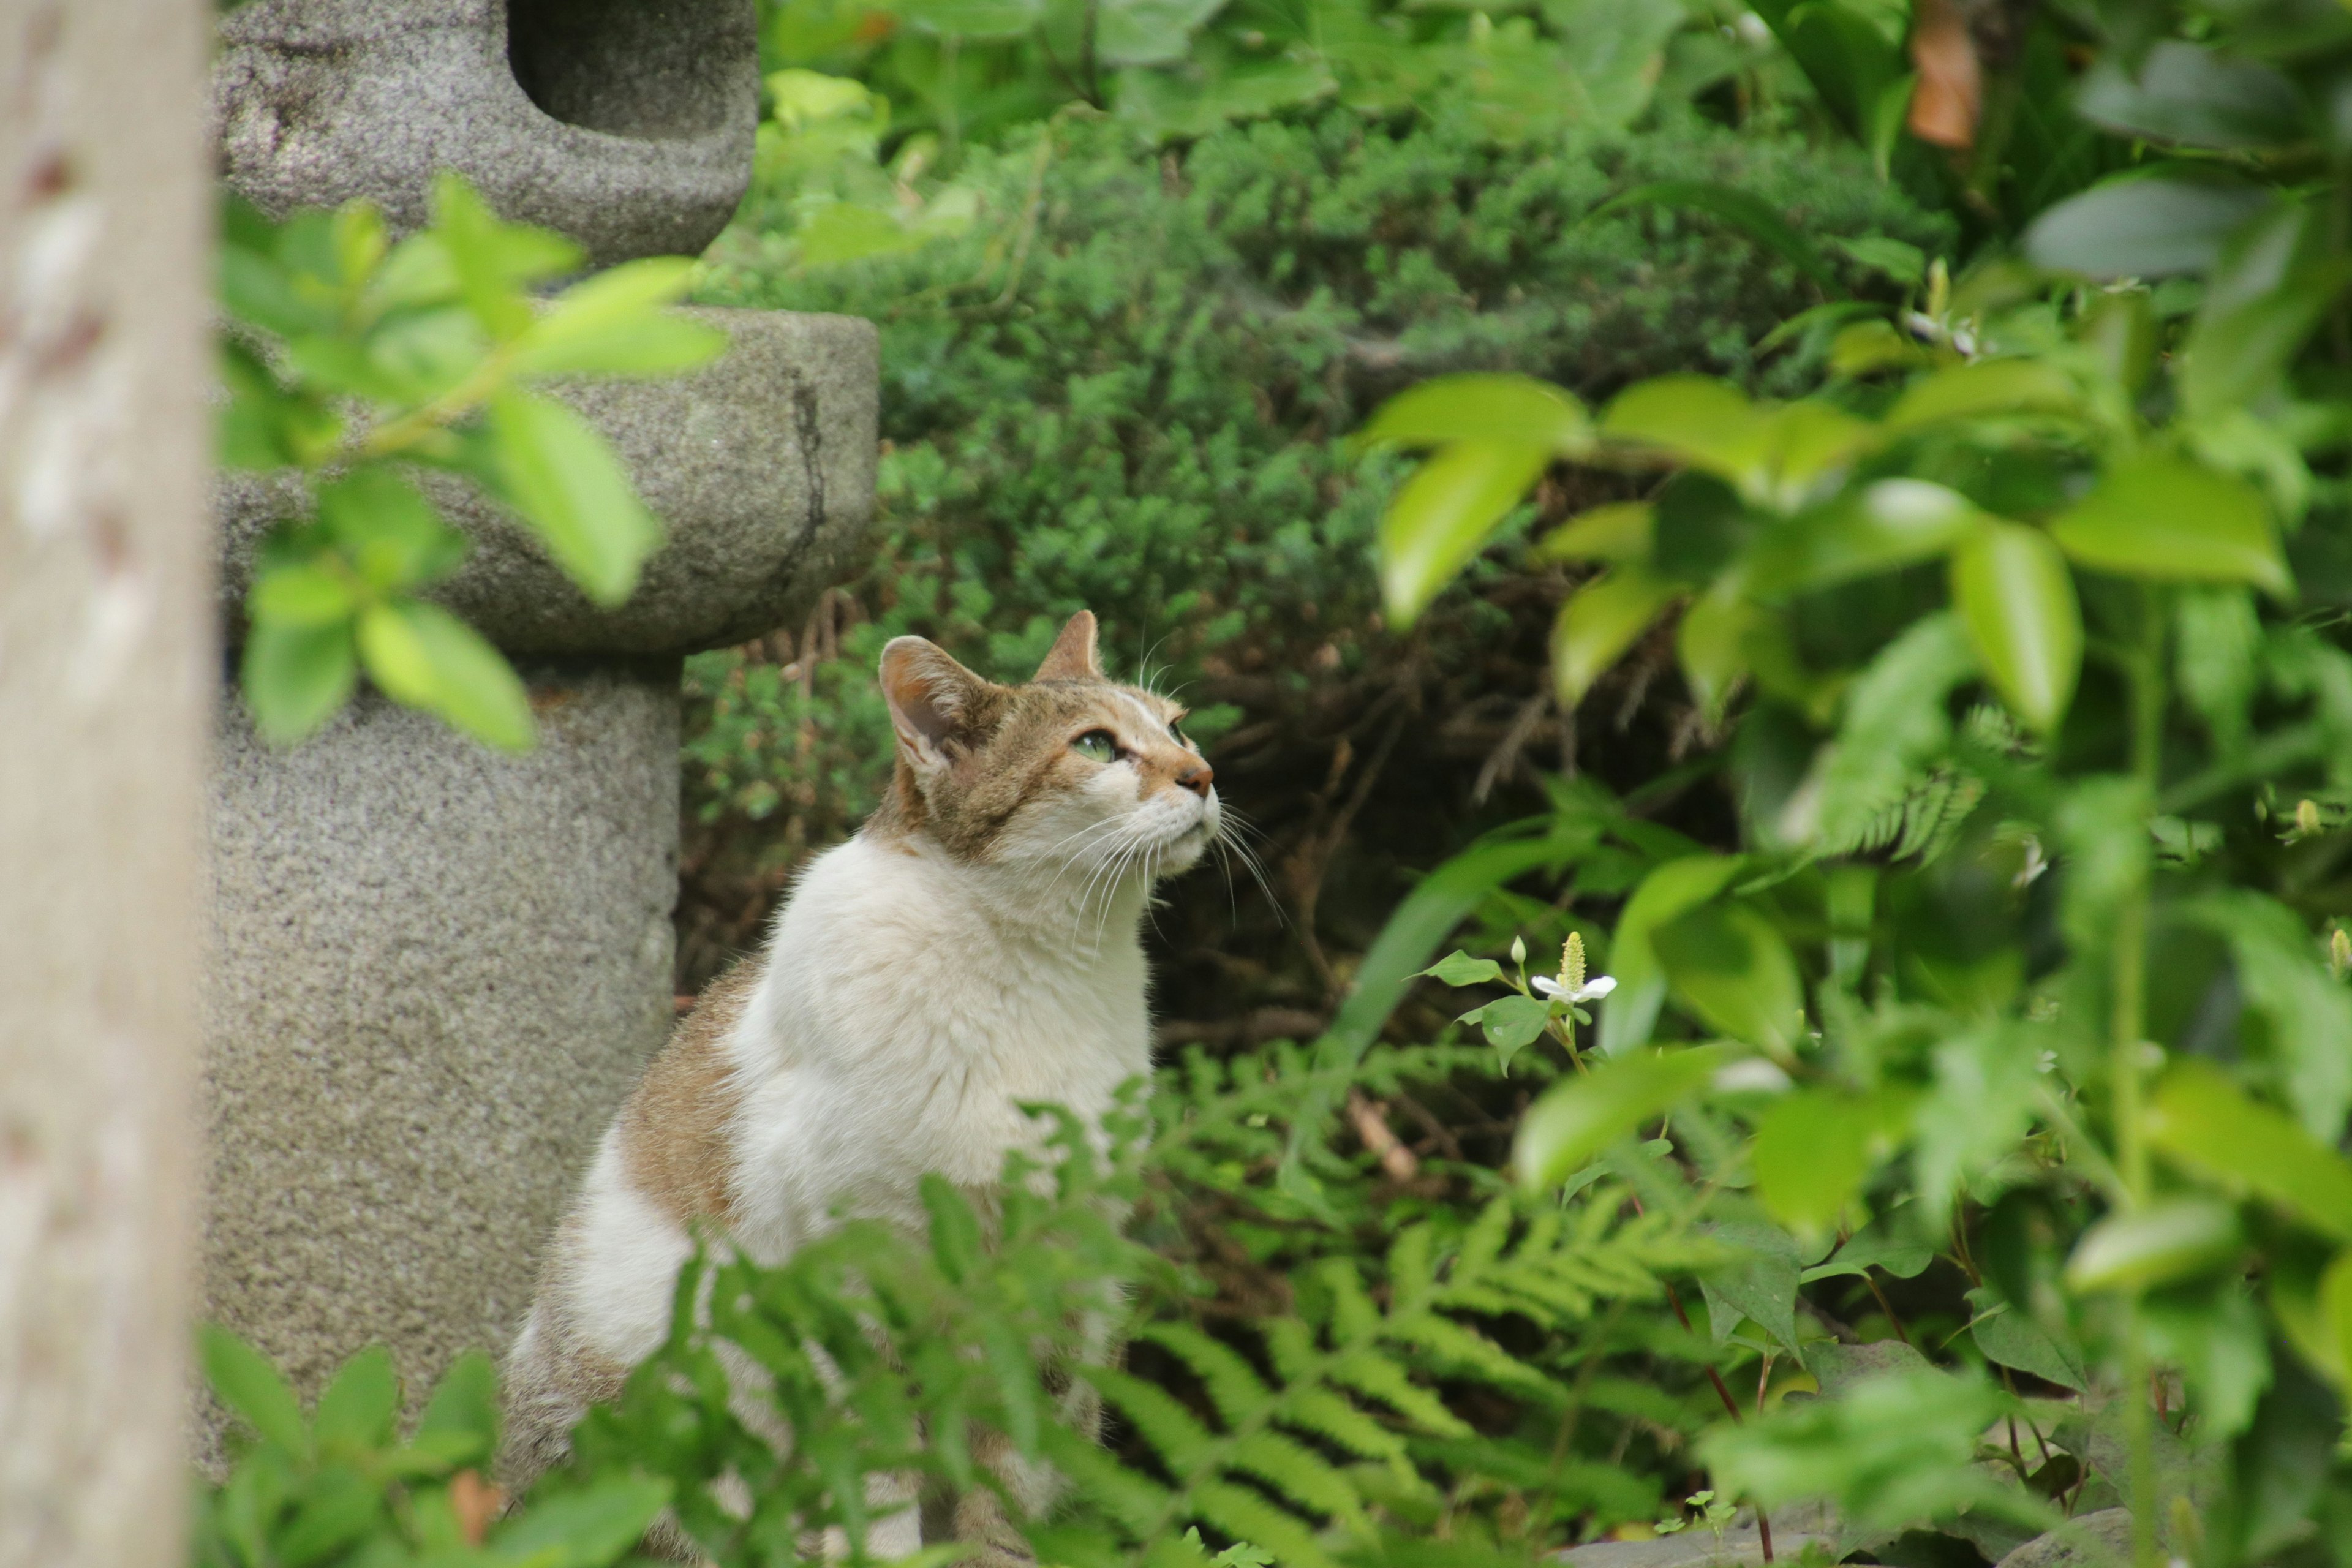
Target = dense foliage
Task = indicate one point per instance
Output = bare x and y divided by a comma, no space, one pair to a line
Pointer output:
1953,1147
1131,385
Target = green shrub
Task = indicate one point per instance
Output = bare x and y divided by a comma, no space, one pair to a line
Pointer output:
1129,386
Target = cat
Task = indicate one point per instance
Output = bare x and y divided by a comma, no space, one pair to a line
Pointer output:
974,946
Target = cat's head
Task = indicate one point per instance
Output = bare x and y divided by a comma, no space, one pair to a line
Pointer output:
1070,772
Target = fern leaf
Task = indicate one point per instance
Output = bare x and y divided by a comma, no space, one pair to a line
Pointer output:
1300,1474
1132,1499
1246,1515
1182,1441
1470,1350
1341,1424
1233,1386
1370,1372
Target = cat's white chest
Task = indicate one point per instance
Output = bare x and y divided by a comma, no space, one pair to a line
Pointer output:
909,1008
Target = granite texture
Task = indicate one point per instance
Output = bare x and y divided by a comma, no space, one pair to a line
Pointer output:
761,465
627,124
436,972
2101,1540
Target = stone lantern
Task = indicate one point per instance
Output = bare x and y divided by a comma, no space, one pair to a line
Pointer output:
436,970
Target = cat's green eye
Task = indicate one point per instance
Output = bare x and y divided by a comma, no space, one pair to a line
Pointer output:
1100,744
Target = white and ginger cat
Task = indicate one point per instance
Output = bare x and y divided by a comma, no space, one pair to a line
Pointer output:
974,948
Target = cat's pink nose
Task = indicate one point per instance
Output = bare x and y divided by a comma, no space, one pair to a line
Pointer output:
1197,778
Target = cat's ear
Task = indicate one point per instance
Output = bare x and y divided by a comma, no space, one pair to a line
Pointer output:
1072,657
934,701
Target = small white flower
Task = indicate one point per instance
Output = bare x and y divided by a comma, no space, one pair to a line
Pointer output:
1592,990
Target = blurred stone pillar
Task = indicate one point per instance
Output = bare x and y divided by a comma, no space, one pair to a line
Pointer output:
106,681
438,969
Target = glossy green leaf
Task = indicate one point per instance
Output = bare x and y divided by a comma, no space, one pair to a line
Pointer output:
2142,226
297,678
1733,968
2014,596
2164,517
423,655
1443,516
1883,525
570,487
479,249
1985,1095
244,1381
1619,531
1600,621
2204,1122
1459,968
2192,95
2274,280
613,324
1814,1150
1876,1245
1581,1116
1516,410
2139,1248
355,1412
1985,387
2335,1316
1705,422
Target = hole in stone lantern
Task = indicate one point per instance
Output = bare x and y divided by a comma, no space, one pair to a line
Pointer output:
651,69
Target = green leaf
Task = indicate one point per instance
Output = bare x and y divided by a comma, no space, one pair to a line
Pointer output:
2143,226
250,1387
955,1229
1895,724
336,1508
1814,1150
1744,210
1510,1024
1986,1089
1733,968
1705,422
1882,526
2013,593
585,1528
1458,968
1618,531
1759,1284
2274,280
612,324
1148,32
1443,515
1579,1117
2009,1338
1875,1246
570,487
2163,516
2307,1009
394,536
301,595
494,262
1600,621
2139,1248
355,1413
423,657
1984,387
972,18
1711,645
297,678
1664,894
1516,410
2188,94
2204,1122
465,1403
